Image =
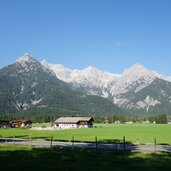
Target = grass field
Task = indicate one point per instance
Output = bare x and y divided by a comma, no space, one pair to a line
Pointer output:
44,159
145,133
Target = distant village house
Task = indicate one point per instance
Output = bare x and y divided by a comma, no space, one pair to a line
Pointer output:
21,123
106,121
73,122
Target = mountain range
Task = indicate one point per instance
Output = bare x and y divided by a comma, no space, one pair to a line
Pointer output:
137,90
30,88
33,87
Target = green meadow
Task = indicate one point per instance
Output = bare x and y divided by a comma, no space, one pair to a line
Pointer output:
144,133
45,159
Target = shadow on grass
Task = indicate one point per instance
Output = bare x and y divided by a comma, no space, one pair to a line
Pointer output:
117,144
16,136
110,140
166,147
47,138
24,158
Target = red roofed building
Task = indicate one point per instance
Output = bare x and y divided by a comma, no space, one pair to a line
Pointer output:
21,123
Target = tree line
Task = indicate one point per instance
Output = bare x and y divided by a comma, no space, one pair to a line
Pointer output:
158,119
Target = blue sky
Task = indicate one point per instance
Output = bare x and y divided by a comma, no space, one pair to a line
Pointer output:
109,34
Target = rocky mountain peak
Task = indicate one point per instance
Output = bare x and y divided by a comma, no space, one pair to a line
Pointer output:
90,70
45,63
27,61
135,69
25,58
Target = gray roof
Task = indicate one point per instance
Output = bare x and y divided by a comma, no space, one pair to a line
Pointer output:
72,119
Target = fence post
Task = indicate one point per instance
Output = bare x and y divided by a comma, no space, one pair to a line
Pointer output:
155,144
96,142
51,139
124,144
14,139
73,142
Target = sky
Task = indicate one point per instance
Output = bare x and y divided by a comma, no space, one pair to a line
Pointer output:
108,34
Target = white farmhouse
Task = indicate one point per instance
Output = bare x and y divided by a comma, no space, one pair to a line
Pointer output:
73,122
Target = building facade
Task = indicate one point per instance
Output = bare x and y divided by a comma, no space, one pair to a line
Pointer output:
73,122
21,123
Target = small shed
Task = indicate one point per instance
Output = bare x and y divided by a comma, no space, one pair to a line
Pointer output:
73,122
21,123
106,121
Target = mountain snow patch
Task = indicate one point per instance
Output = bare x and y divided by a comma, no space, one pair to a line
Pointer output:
149,101
34,84
34,102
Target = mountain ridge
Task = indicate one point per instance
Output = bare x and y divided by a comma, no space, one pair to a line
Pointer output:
92,81
30,88
136,91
